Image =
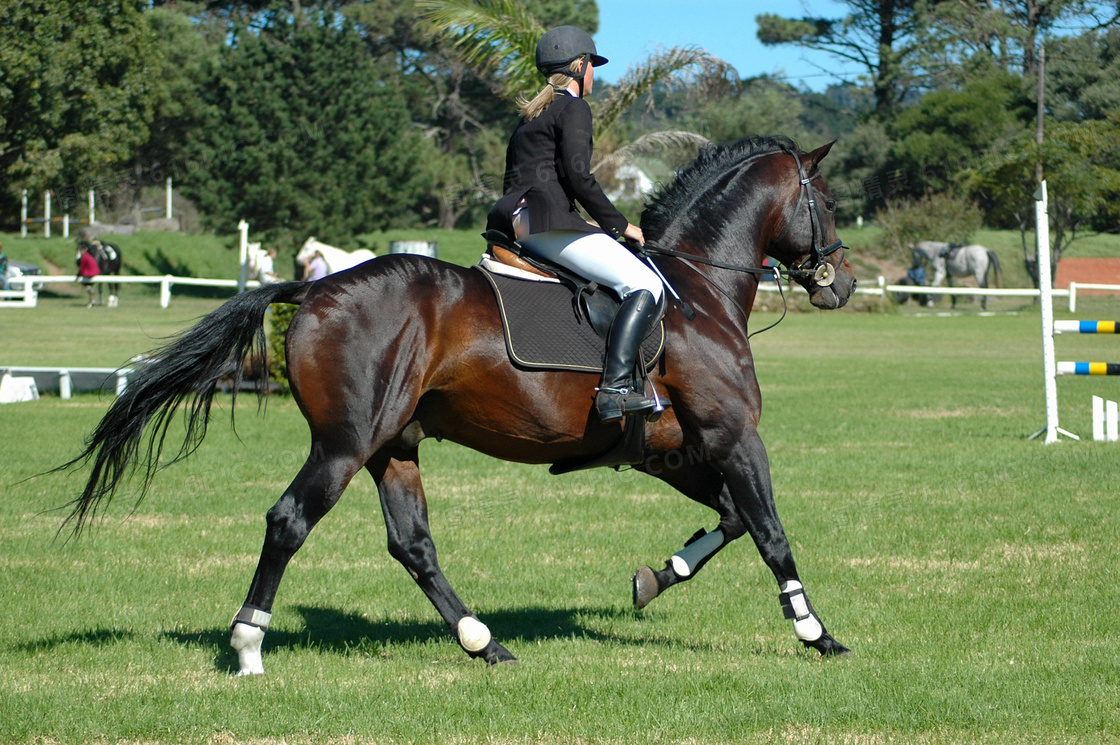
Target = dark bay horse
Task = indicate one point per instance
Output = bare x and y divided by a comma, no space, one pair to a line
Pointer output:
403,348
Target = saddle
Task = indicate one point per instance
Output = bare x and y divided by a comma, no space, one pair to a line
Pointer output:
948,251
554,319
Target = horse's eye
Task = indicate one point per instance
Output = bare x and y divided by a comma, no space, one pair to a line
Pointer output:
830,205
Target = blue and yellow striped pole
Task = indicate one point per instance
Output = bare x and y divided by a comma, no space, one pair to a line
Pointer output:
1089,368
1085,327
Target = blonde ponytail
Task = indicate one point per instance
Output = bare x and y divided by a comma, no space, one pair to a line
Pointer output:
533,107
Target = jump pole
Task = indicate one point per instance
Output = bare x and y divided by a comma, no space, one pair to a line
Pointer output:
1086,327
1046,301
243,254
23,216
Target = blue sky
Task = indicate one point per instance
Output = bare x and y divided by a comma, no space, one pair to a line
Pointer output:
630,29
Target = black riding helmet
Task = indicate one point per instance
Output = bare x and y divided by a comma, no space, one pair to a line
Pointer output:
559,46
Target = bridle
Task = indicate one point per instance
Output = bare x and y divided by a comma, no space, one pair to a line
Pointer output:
822,273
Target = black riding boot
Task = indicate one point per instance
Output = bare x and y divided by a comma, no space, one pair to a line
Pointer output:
616,397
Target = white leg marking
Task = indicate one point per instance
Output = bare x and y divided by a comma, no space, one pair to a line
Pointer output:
247,640
473,634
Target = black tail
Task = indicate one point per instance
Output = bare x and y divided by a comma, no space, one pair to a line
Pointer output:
993,263
186,370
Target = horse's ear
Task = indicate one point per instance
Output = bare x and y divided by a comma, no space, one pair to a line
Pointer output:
817,155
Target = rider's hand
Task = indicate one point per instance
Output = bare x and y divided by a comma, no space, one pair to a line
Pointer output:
634,233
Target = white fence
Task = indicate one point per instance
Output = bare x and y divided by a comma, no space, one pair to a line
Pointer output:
67,380
882,288
27,297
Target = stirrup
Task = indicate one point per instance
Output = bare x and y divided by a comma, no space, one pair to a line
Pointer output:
614,403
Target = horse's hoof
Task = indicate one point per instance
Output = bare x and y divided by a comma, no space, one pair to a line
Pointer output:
645,587
494,654
828,647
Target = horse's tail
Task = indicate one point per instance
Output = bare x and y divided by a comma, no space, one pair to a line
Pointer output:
993,263
185,371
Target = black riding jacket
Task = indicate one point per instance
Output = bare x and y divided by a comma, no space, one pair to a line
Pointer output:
548,163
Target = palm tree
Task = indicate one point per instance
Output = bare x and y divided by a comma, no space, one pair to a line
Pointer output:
500,38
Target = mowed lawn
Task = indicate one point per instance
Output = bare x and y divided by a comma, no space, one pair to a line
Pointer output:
972,571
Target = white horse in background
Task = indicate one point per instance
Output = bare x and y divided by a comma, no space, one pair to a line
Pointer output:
950,260
336,258
261,266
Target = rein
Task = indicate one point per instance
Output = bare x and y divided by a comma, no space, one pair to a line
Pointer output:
822,273
651,247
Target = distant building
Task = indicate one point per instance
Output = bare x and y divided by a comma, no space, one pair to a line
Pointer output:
631,182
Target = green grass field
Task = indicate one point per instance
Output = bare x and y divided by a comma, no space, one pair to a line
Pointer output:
973,572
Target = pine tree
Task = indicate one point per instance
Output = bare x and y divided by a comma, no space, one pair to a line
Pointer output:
305,134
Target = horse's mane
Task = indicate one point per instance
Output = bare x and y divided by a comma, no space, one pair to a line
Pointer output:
705,172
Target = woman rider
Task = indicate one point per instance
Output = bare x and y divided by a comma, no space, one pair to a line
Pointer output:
548,170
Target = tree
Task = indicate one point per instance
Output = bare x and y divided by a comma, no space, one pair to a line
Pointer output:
1006,31
1083,75
881,36
911,45
950,128
500,37
305,134
1081,163
78,79
458,110
189,48
932,217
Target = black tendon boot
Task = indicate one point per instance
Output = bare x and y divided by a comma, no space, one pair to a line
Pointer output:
616,397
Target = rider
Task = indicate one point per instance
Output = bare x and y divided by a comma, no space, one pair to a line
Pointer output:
548,169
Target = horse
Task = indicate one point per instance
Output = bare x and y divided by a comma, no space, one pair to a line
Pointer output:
261,266
108,257
337,259
949,260
404,348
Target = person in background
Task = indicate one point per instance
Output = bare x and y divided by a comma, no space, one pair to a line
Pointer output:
3,270
87,270
316,268
267,269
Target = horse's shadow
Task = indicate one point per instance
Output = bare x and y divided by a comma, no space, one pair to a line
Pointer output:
335,631
331,630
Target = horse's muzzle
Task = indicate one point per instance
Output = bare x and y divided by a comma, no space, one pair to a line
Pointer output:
833,295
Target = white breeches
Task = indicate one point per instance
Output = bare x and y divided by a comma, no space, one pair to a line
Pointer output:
597,257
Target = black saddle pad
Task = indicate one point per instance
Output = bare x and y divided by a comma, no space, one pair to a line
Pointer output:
543,331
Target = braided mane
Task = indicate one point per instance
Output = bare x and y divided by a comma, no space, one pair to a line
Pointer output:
705,172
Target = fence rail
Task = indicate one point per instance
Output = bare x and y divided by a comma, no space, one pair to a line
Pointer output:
882,288
67,380
27,296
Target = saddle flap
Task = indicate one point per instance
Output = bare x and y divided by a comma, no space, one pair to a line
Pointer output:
505,250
